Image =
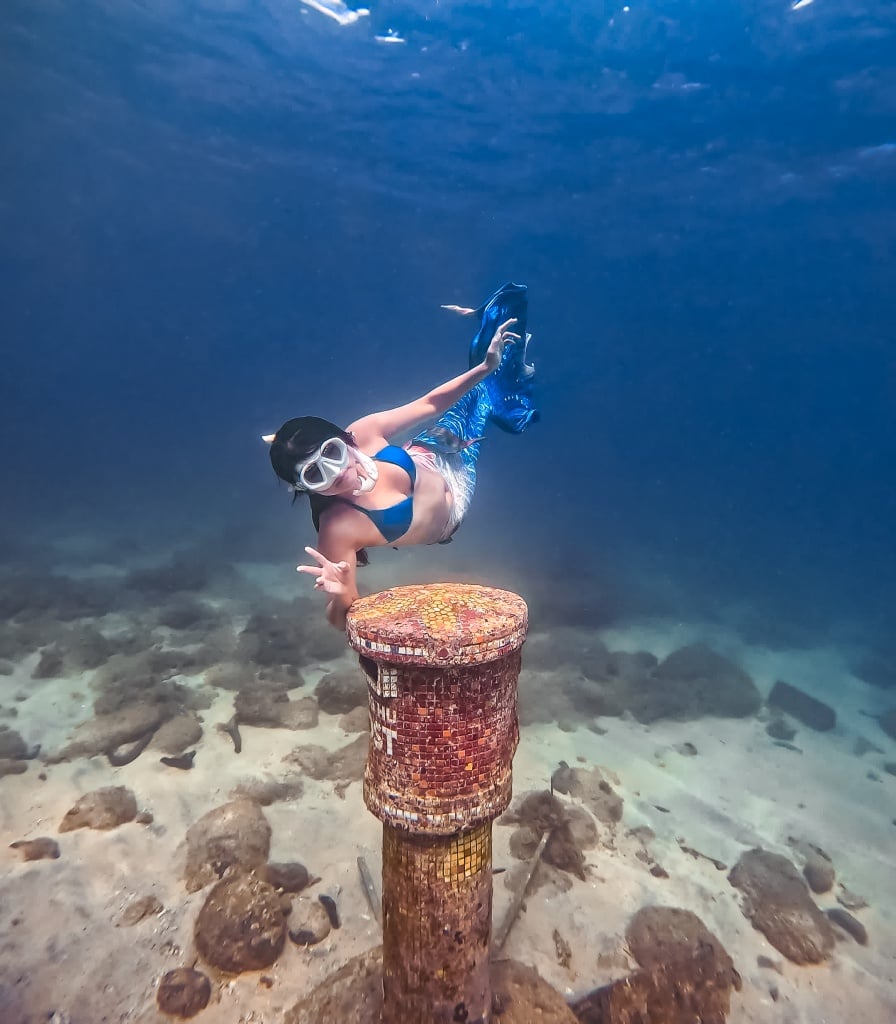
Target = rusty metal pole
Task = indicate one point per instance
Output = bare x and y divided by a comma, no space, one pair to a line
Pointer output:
442,663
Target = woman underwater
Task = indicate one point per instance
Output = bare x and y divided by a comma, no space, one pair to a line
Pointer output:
367,492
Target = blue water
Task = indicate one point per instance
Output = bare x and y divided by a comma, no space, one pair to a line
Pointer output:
219,214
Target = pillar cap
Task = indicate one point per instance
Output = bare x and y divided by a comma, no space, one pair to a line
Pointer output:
438,624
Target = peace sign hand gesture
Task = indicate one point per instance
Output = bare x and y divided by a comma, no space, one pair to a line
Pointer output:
331,577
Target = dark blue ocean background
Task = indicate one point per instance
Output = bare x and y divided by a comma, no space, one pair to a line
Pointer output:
218,215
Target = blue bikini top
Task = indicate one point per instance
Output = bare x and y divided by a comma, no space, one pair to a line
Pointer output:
392,522
395,521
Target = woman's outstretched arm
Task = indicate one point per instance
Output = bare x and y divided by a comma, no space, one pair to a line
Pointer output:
386,424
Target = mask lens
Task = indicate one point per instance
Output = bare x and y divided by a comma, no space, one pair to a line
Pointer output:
333,450
312,474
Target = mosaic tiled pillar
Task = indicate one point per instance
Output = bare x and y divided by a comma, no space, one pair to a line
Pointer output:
442,663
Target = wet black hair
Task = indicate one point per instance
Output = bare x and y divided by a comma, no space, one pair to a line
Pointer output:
295,441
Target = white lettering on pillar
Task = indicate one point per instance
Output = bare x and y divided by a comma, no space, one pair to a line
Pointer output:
383,732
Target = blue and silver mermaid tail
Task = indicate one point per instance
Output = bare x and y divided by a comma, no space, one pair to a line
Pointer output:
510,386
503,398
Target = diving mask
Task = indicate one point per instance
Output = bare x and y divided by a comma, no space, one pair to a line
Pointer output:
319,472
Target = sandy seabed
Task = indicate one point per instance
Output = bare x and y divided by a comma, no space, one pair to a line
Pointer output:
717,785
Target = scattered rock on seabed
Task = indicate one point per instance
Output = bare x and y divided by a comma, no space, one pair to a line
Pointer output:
591,788
103,808
275,710
777,902
686,975
268,791
241,926
878,670
802,706
357,720
571,829
42,848
696,681
780,729
343,765
236,834
13,747
818,870
851,925
309,923
175,735
289,877
183,992
354,994
852,901
819,873
108,732
338,693
11,766
138,908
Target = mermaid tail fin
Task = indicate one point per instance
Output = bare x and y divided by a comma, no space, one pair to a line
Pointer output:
510,386
509,301
504,397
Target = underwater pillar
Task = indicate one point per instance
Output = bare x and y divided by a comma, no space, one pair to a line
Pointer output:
442,663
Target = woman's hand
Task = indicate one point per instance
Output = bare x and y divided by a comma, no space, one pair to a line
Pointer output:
495,351
333,578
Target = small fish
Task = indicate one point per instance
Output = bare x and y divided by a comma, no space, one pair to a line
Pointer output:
329,904
232,729
446,441
182,761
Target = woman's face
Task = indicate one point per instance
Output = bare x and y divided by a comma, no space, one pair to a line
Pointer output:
348,481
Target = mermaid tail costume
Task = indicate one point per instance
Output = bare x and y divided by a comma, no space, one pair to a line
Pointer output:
503,398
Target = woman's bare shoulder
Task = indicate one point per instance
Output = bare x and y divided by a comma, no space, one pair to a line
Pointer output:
368,434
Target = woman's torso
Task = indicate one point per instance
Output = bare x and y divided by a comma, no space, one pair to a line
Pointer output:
430,508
